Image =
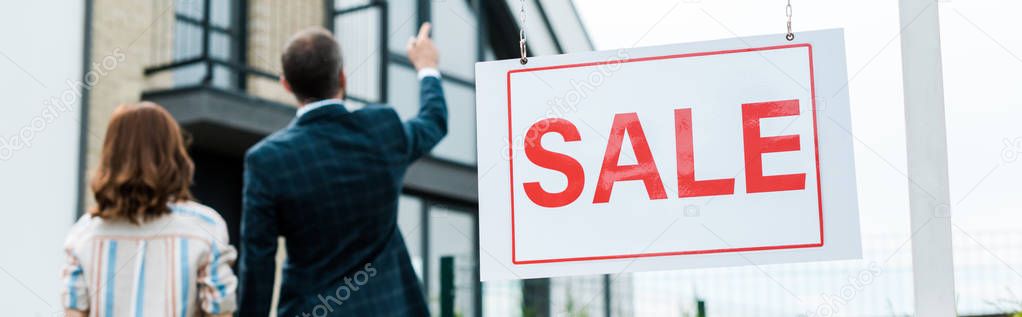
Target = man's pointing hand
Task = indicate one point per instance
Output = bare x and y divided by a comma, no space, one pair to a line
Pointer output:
421,51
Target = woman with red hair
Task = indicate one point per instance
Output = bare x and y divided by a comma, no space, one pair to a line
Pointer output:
146,248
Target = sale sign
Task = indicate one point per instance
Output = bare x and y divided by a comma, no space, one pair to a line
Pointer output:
719,153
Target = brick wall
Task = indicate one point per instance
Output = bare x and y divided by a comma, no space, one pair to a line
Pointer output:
271,23
142,33
121,32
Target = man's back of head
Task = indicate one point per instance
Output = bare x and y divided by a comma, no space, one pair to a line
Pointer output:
312,66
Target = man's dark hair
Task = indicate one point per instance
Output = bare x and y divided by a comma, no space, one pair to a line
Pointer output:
312,64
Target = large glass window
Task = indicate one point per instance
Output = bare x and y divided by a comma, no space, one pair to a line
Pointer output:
452,234
455,26
188,36
357,29
402,16
404,90
445,231
454,32
357,26
460,143
409,221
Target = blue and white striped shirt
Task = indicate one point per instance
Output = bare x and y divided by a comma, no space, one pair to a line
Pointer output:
176,265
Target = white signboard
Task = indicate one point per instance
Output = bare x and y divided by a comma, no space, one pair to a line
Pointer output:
719,153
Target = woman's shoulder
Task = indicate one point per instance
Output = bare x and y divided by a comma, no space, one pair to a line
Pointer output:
199,219
80,230
197,212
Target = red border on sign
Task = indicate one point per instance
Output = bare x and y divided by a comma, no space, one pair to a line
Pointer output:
812,84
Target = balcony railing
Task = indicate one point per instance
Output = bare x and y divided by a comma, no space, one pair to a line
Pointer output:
208,43
205,44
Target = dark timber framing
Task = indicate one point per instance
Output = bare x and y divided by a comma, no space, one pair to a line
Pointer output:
481,26
425,232
83,131
240,50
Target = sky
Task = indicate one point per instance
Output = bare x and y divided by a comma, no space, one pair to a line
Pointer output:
982,60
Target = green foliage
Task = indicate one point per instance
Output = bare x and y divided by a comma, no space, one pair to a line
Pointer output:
570,308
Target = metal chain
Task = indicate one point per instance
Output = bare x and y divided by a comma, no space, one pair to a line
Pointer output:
521,33
787,11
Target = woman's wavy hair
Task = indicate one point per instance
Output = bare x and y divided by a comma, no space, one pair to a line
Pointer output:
144,165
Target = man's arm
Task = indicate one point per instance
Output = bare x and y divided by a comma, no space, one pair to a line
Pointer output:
430,126
258,242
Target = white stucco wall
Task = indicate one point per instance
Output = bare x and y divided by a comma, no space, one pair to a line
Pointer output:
40,66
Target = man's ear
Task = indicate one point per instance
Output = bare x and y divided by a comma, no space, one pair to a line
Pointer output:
285,84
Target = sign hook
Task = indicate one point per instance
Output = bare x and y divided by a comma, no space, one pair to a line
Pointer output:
521,34
787,11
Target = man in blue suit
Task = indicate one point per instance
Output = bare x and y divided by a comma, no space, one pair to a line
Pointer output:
329,184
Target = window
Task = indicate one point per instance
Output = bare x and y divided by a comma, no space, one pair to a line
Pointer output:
409,221
187,41
378,70
453,233
357,30
460,143
454,33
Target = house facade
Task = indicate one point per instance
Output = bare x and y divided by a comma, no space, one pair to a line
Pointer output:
214,65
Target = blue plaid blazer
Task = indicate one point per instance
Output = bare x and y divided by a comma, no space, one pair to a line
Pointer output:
329,184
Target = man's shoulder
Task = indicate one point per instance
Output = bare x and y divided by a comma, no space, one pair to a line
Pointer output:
381,111
269,146
380,119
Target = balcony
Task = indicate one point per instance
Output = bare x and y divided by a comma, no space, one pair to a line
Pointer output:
215,66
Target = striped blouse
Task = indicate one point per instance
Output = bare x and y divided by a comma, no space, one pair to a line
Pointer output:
176,265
